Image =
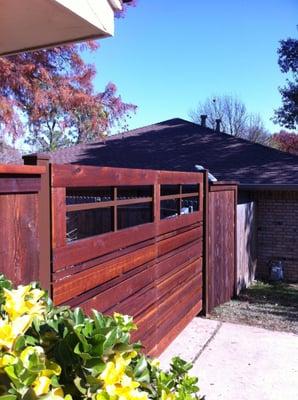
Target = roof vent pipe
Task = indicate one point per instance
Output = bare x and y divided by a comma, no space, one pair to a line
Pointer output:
218,122
203,120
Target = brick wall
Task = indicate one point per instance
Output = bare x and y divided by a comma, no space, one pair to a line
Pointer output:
277,232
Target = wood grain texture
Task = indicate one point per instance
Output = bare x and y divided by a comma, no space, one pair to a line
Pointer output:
29,184
58,206
222,257
22,169
19,237
151,271
174,177
85,176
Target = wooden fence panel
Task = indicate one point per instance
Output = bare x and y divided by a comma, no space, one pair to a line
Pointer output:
152,270
222,249
19,222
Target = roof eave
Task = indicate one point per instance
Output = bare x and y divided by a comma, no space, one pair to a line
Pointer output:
35,24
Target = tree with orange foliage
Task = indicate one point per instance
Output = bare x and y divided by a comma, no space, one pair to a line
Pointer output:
48,96
285,141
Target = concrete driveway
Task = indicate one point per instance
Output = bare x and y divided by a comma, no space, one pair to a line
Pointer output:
239,362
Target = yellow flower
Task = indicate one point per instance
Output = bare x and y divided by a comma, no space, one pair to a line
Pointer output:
51,369
127,393
117,384
9,331
6,334
23,300
57,394
112,373
155,363
41,385
167,396
114,370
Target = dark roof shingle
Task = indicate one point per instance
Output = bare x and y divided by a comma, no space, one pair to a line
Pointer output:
178,145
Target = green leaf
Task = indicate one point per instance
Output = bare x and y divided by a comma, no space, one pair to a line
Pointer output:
78,316
141,366
102,396
29,395
8,397
95,366
110,339
79,385
30,340
99,319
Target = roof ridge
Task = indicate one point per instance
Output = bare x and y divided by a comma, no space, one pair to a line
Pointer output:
146,128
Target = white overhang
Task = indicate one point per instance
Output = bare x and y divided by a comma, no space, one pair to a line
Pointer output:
33,24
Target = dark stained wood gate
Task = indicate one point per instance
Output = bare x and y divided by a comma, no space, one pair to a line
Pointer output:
20,188
129,241
221,248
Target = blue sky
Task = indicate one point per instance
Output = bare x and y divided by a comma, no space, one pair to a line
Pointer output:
167,55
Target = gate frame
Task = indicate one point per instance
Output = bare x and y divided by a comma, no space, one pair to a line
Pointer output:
218,186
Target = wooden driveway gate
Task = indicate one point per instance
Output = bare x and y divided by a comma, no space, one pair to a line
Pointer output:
221,254
129,241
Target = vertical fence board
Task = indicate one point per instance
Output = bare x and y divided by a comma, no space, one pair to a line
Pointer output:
58,217
19,222
222,247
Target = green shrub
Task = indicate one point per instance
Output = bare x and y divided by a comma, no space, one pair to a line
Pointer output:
49,352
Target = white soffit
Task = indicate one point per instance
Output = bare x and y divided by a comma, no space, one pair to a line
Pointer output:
33,24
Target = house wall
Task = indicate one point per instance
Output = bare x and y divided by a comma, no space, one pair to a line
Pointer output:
246,240
277,231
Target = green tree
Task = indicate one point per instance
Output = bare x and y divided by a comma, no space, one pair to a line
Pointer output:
287,114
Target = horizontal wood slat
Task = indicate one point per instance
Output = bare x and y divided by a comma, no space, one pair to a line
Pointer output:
162,342
164,265
85,176
79,283
97,246
20,185
104,204
151,271
181,196
173,224
176,177
168,307
86,280
93,247
22,169
129,295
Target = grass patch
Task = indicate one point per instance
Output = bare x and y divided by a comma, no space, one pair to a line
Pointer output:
269,305
281,293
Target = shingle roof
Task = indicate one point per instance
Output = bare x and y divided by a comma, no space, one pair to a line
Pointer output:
178,145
